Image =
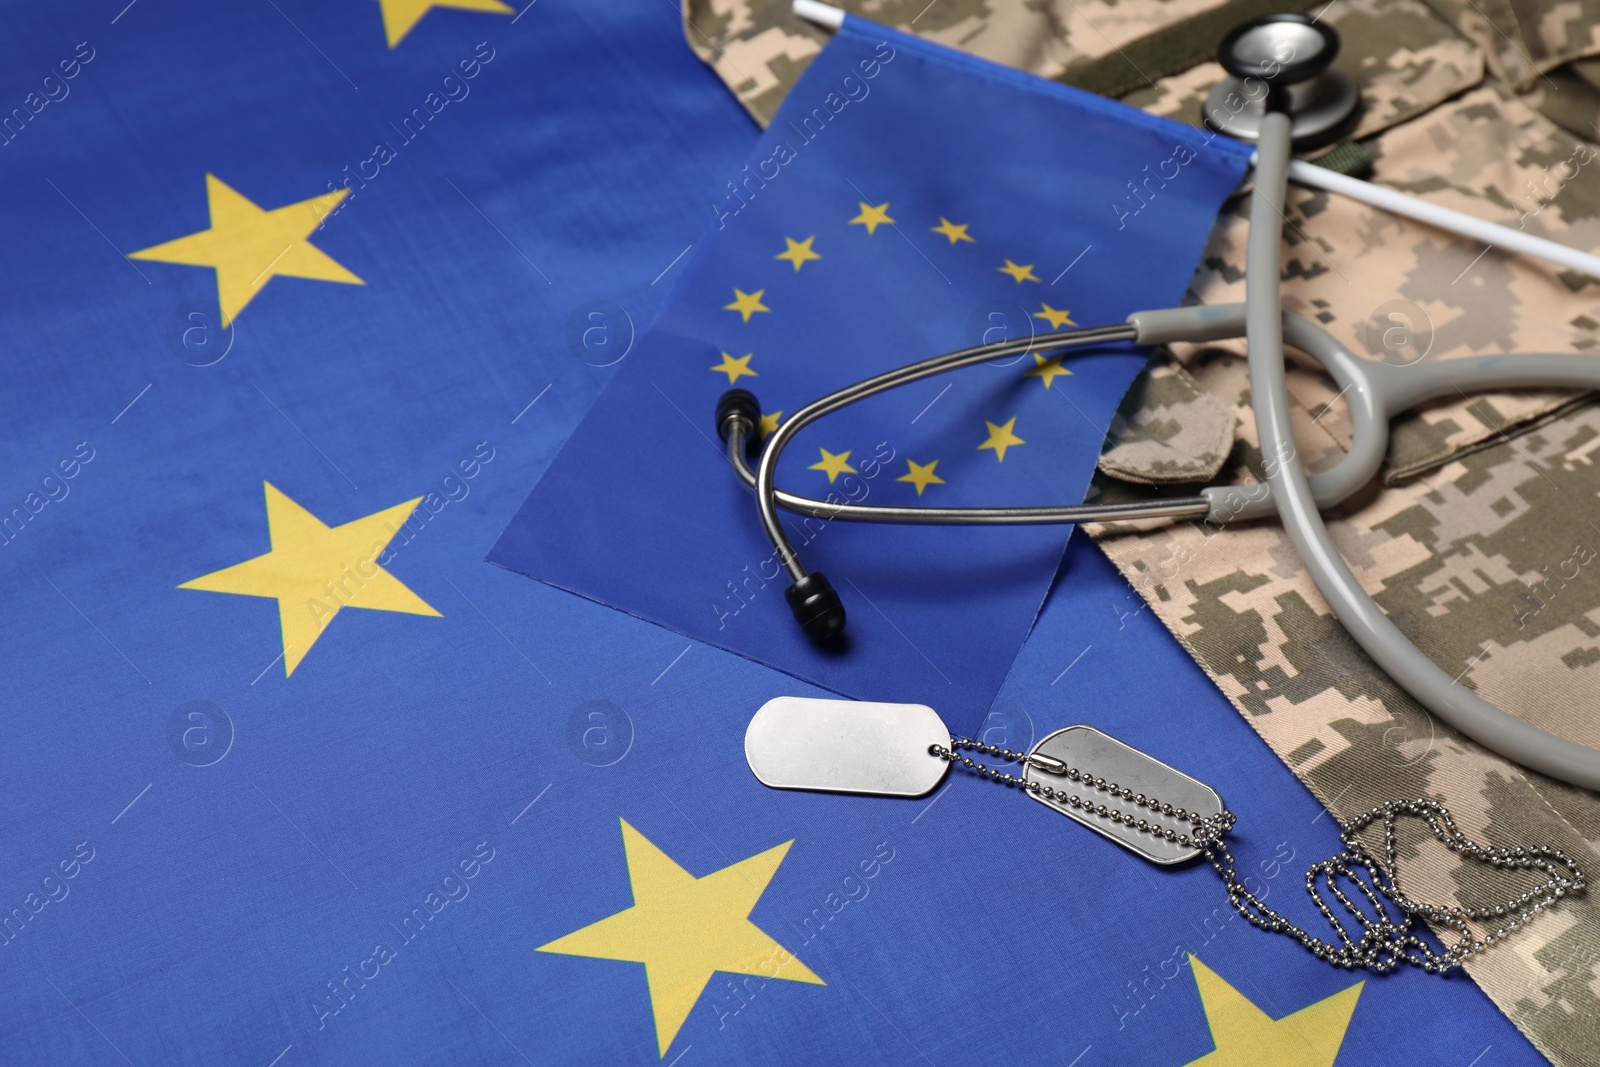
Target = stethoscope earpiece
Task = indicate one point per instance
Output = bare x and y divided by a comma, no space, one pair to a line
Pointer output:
1282,63
740,406
816,607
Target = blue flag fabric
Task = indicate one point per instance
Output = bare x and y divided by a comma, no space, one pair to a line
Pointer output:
182,813
907,200
408,847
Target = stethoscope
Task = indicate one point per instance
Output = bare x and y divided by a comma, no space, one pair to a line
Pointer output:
1299,102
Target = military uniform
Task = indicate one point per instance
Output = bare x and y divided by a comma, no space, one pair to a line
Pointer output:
1482,541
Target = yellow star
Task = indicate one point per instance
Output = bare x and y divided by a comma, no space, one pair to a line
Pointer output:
1048,369
1056,319
1022,272
798,252
834,465
1001,438
956,231
747,304
400,15
740,368
1244,1035
769,422
314,570
872,217
684,929
248,246
921,475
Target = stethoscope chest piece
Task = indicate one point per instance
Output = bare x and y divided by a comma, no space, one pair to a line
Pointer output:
1289,55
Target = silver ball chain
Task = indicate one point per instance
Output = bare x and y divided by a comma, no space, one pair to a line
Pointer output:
1384,943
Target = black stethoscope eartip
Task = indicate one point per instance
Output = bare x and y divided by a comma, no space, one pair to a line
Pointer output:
740,404
816,607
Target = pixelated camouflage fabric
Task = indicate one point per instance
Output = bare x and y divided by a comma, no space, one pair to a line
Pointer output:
1405,58
1407,61
759,48
1522,39
1485,557
1169,429
1394,289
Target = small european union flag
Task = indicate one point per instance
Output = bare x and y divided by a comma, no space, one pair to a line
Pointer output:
907,200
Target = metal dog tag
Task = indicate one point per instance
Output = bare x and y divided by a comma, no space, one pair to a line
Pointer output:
846,746
1100,755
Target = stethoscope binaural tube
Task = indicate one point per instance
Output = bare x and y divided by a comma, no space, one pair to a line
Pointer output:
812,599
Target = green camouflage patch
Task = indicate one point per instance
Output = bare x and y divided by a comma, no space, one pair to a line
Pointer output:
1169,429
1523,40
1569,96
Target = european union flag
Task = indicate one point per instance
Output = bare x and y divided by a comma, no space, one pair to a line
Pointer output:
907,200
291,777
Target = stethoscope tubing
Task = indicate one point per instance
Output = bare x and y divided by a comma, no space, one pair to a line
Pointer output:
1526,744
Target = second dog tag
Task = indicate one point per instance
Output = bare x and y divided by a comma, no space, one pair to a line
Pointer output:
1096,754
